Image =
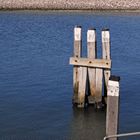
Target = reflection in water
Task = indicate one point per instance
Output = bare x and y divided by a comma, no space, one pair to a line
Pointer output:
88,124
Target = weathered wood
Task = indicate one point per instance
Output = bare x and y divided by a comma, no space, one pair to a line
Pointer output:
88,62
82,86
112,107
77,53
106,55
99,77
91,53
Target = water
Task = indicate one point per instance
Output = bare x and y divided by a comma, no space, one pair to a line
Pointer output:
36,78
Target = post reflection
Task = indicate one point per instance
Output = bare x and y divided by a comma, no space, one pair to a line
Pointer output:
88,124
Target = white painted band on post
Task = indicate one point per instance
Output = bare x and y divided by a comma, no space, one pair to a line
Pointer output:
113,83
77,34
105,36
113,88
91,36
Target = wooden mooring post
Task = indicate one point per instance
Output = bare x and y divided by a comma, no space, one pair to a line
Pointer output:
77,54
91,54
106,55
92,69
112,114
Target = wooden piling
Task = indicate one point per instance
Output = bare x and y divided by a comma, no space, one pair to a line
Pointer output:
99,84
82,86
77,53
106,55
88,73
112,107
91,53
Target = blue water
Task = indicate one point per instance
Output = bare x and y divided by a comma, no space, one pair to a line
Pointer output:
36,78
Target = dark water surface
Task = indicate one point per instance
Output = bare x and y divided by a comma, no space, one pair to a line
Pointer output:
36,78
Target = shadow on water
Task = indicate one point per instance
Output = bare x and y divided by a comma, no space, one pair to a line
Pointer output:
88,124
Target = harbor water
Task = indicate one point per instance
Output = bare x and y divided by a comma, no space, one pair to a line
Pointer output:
36,78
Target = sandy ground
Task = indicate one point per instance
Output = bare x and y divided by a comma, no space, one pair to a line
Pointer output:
71,4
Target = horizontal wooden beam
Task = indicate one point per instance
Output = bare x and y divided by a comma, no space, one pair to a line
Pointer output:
96,63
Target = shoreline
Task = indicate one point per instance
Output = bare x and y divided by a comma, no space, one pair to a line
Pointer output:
72,10
99,11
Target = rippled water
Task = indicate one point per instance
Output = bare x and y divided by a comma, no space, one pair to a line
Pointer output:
36,78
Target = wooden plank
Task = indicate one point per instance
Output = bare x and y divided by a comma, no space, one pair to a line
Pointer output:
77,53
91,53
112,114
106,55
88,62
82,86
98,96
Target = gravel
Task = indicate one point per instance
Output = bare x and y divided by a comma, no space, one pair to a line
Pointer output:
71,4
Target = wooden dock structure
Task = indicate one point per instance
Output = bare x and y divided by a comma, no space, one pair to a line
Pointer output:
93,70
92,80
